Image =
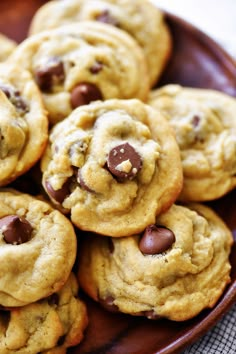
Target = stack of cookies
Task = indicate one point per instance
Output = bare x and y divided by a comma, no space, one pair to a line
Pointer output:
40,308
123,165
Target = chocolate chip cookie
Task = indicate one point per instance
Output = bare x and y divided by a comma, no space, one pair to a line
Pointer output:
175,268
140,18
7,46
47,326
38,249
113,165
205,127
83,62
23,123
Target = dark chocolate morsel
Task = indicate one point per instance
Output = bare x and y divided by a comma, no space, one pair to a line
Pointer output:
81,182
124,162
196,119
6,91
106,17
85,93
151,315
15,98
96,68
53,71
108,304
20,104
60,194
156,239
15,229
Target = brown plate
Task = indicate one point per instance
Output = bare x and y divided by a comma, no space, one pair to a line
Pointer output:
199,62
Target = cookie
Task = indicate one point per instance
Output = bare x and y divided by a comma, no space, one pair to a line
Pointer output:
141,19
7,47
23,121
83,62
205,127
48,326
38,249
174,269
113,165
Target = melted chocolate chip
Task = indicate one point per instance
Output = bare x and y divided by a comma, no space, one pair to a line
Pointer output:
81,182
96,68
20,104
85,93
151,315
6,90
156,239
196,120
15,229
60,194
15,98
106,17
108,304
52,73
124,162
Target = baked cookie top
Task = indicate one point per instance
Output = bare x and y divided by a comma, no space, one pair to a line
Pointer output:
174,269
205,127
38,249
47,326
80,63
140,18
23,122
114,165
7,46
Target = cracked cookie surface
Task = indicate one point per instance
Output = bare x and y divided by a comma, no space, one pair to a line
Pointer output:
205,127
174,269
79,63
114,165
23,123
47,326
141,19
38,249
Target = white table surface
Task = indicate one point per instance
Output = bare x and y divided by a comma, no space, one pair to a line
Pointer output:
217,18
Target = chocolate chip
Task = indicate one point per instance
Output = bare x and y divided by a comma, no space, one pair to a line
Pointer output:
196,119
96,68
82,183
20,104
124,162
15,229
85,93
6,90
156,239
52,73
60,194
108,304
151,315
106,17
15,98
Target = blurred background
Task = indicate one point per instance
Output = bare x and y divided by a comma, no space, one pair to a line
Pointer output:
217,18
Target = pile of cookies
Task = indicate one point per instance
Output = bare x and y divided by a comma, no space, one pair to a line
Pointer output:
124,171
